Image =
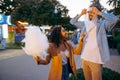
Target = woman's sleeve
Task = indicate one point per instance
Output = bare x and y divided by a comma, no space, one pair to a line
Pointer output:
78,49
47,59
44,62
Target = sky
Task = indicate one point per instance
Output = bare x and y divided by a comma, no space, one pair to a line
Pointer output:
76,6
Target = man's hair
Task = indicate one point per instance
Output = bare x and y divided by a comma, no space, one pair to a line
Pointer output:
56,36
97,6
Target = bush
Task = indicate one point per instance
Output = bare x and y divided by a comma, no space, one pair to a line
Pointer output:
80,75
107,74
14,45
116,41
110,42
118,48
116,32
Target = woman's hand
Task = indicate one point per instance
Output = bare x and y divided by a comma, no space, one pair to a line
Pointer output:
36,58
82,37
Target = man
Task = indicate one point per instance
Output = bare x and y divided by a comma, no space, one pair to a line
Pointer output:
75,41
95,51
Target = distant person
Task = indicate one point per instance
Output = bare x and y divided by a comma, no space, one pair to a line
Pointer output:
76,36
95,51
61,53
74,40
48,33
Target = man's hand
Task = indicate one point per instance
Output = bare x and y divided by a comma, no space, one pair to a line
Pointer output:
84,11
96,11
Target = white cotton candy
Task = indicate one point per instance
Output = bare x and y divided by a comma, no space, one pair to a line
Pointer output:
36,43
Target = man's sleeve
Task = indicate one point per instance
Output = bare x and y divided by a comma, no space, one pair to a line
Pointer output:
110,20
74,21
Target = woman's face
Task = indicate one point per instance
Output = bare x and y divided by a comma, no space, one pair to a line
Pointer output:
64,33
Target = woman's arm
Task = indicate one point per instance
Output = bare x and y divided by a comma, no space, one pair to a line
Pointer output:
41,61
80,45
48,57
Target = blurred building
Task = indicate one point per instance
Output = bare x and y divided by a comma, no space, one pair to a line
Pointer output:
5,21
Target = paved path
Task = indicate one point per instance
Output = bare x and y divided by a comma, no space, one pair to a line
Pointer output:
15,65
9,53
20,66
114,62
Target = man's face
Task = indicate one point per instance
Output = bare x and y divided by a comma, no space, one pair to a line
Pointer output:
91,14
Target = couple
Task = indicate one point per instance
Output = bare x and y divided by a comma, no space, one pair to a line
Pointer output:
95,50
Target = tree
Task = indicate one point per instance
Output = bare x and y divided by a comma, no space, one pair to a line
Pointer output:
115,3
116,9
97,4
116,6
22,13
7,6
41,12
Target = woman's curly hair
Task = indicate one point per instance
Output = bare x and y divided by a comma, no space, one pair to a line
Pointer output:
56,36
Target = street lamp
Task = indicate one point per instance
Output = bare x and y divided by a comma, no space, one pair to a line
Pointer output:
55,11
55,15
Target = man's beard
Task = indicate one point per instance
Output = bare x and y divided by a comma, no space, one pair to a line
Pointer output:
90,19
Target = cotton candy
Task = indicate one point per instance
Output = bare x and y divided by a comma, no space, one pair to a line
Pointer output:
36,43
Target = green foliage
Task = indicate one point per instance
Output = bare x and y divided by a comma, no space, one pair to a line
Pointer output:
14,45
110,42
116,39
118,48
114,3
116,33
22,13
80,75
7,6
107,74
41,13
116,6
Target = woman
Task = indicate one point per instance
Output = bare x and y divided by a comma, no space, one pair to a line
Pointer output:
61,53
